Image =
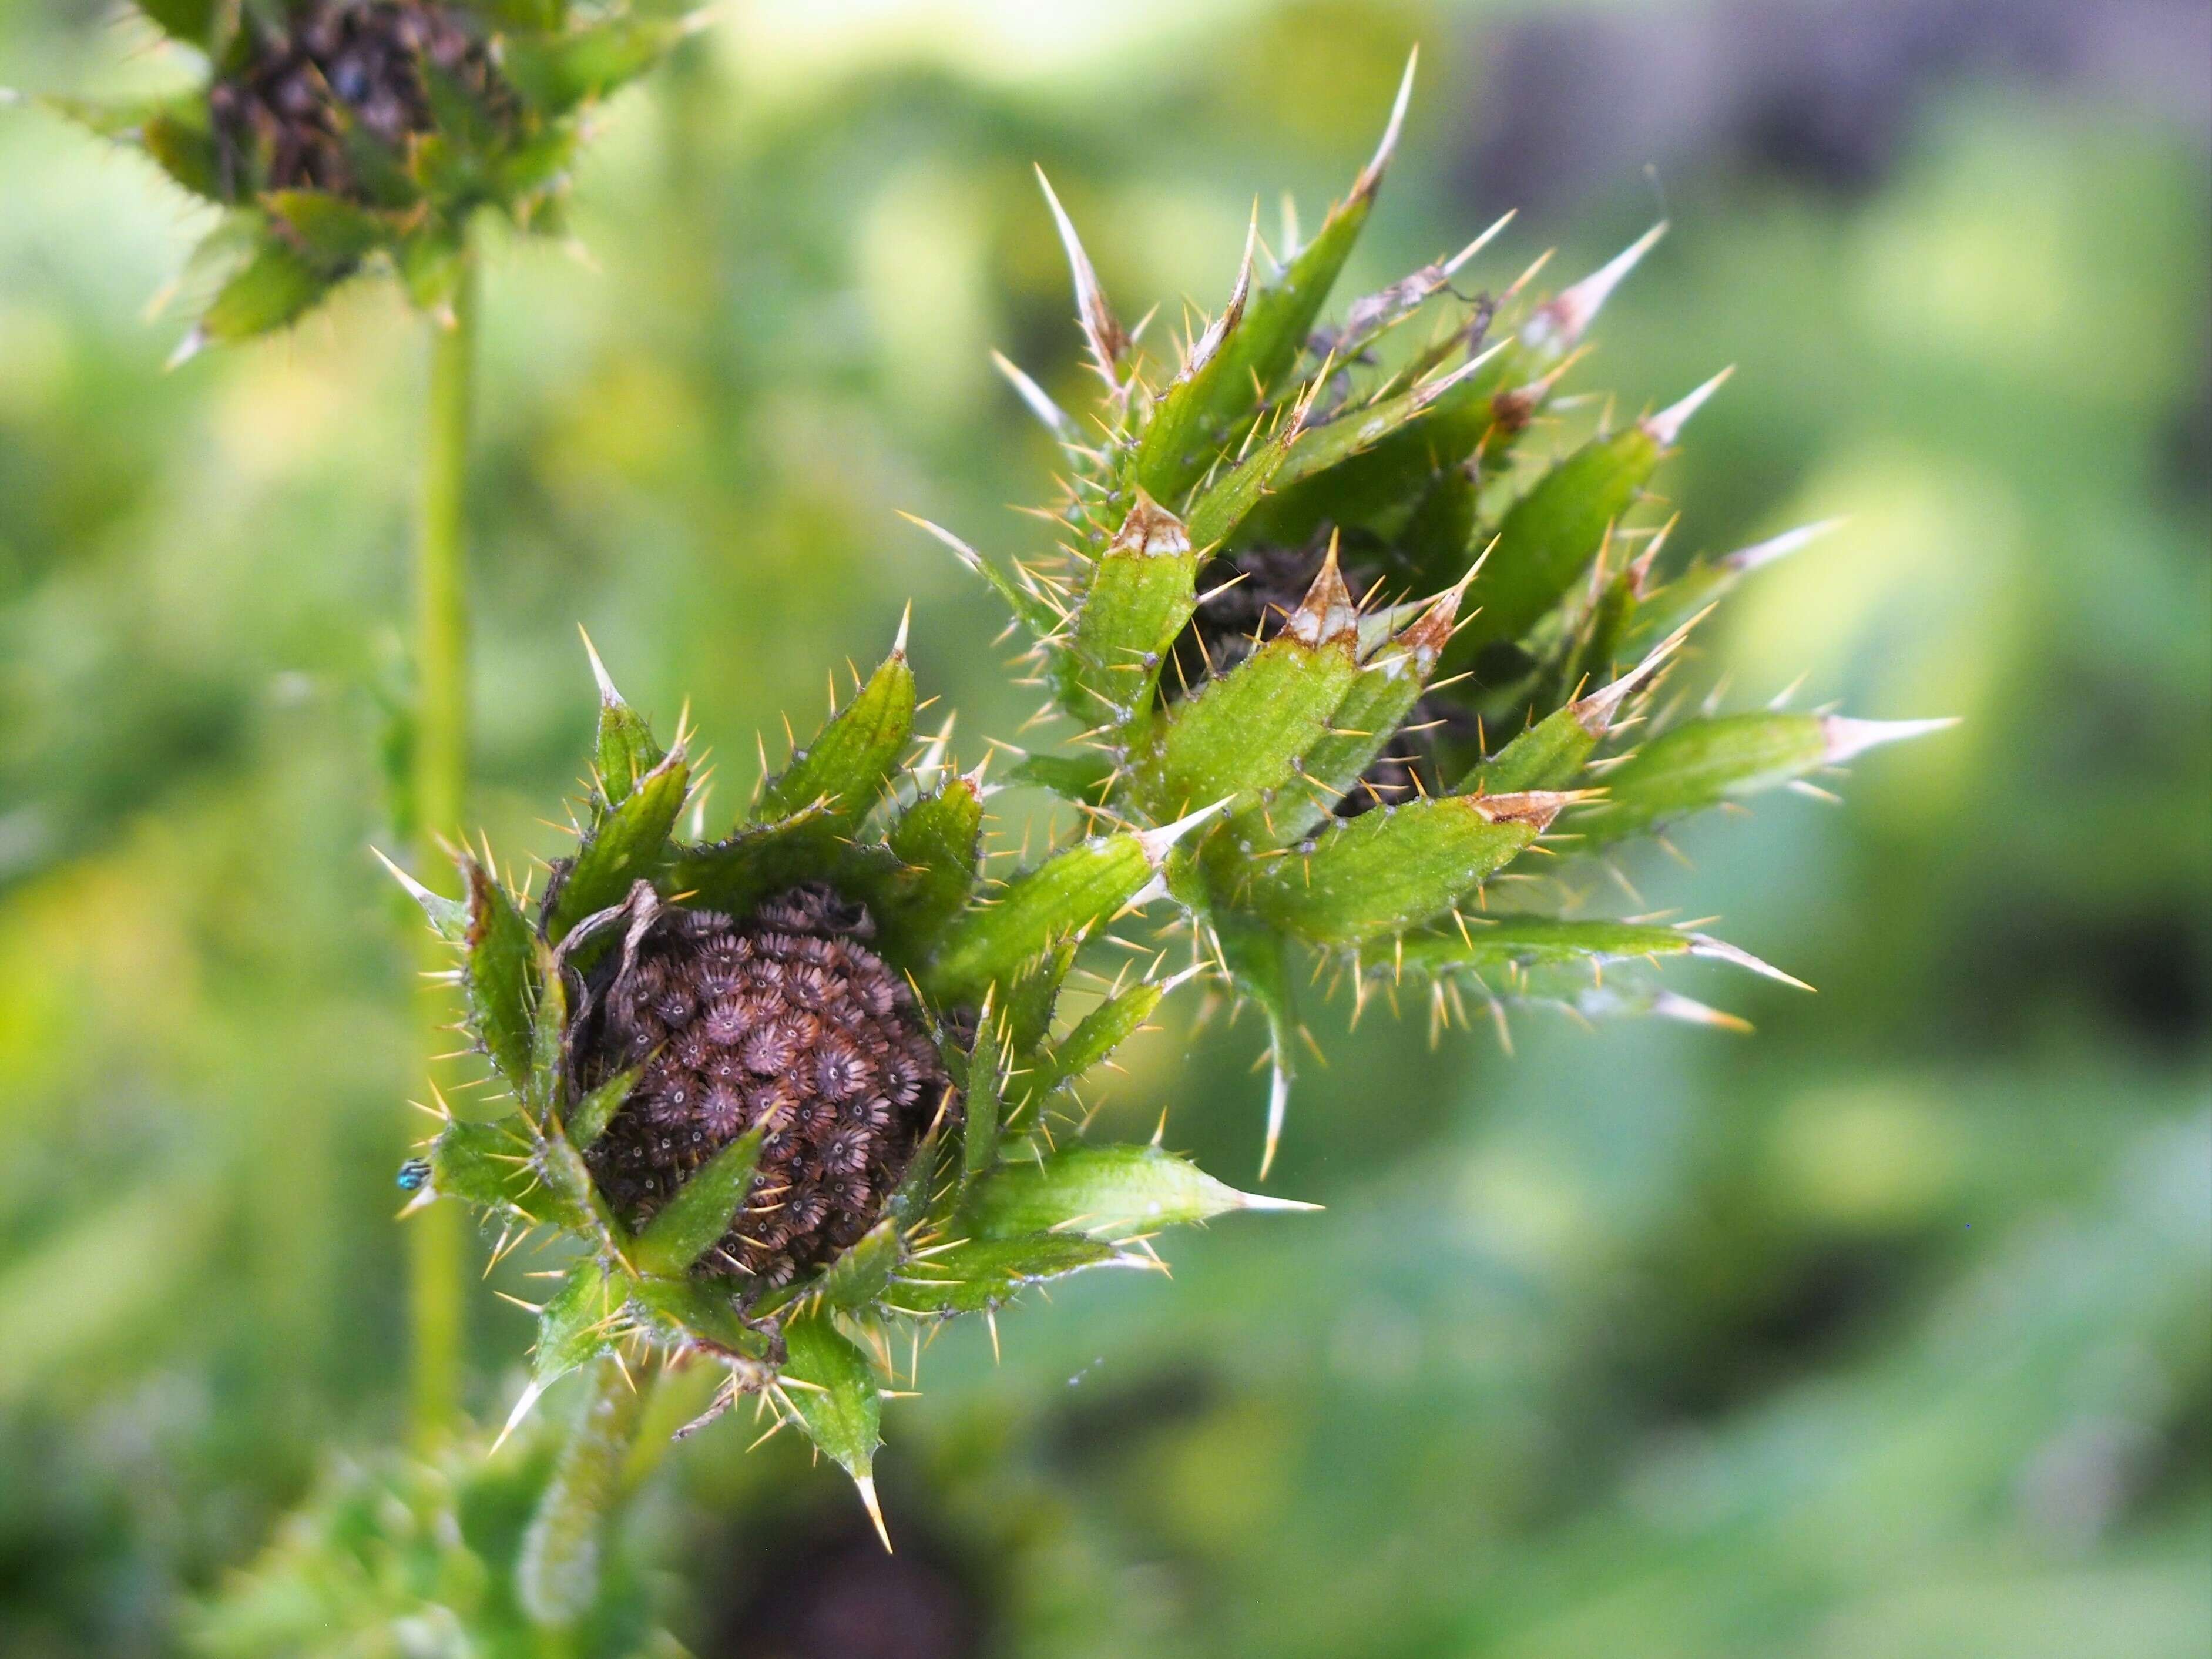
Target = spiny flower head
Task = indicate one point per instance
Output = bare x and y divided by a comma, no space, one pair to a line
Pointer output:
1305,569
342,134
796,1087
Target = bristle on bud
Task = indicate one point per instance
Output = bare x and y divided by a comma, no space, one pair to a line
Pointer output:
1667,425
1848,739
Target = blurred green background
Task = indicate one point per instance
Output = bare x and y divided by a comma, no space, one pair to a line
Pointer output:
1886,1331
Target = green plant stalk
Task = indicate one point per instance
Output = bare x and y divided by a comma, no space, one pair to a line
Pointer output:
438,1242
557,1575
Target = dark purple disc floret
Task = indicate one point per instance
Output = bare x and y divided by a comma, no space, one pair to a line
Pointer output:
785,1016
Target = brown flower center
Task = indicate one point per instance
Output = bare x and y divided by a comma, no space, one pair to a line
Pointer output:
347,71
786,1017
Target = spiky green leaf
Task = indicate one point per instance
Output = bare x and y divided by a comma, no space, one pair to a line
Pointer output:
833,1389
936,843
549,1036
331,231
503,1167
581,1321
972,1276
986,1098
1324,449
1524,942
690,1224
858,1277
700,1313
1092,1037
275,286
1549,755
850,761
182,146
432,262
556,72
760,860
1141,592
1394,868
1550,535
1071,891
1030,1003
500,973
1368,715
1245,731
1365,466
623,750
1085,778
625,847
1704,762
1112,1193
1192,418
589,1119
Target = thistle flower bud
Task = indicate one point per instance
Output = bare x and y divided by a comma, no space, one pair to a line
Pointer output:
788,1087
340,134
1369,819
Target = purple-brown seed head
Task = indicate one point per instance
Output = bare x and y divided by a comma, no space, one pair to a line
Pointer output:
341,72
783,1014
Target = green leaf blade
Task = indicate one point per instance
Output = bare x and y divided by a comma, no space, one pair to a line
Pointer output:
1070,892
558,72
850,759
625,847
581,1321
856,1278
975,1276
1550,535
1142,591
1107,1193
938,843
837,1399
500,975
1094,1037
1394,867
758,862
694,1221
1374,705
501,1167
1702,763
275,287
1244,732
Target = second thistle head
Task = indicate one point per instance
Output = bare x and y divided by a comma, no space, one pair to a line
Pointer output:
341,135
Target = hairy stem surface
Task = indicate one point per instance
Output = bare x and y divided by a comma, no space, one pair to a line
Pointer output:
557,1577
437,1239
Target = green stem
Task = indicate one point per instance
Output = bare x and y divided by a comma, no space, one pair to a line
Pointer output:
556,1577
438,1242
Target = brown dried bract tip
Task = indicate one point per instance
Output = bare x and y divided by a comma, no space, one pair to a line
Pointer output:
787,1014
282,119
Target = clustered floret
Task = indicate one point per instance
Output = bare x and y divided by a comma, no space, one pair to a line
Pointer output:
785,1018
284,120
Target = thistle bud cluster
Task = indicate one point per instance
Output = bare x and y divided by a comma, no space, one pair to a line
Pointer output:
1306,568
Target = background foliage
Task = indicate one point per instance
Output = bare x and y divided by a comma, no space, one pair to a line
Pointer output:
1888,1329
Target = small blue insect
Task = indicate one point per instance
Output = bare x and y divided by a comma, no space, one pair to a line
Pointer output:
414,1175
